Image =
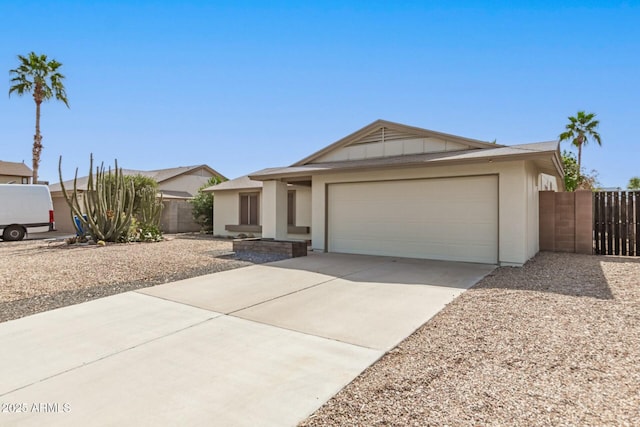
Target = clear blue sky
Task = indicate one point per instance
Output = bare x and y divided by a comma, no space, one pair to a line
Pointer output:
244,85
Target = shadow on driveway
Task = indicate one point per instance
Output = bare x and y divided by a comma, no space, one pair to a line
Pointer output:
389,270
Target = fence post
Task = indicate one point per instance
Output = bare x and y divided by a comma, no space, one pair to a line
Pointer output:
584,221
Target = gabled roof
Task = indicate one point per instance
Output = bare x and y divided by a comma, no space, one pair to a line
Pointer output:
160,175
169,194
398,128
548,150
15,169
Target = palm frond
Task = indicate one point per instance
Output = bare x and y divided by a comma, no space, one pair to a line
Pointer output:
38,75
581,128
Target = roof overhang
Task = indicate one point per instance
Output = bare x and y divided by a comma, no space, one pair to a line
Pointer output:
243,183
548,162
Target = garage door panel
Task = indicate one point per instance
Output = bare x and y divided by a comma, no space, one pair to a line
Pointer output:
450,219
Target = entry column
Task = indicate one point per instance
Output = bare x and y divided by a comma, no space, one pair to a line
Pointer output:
274,210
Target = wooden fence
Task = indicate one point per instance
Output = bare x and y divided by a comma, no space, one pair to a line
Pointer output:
616,222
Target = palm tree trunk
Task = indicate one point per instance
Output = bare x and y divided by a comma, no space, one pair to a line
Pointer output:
37,144
579,161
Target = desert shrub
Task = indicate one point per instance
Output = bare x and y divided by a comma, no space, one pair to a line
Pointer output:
202,205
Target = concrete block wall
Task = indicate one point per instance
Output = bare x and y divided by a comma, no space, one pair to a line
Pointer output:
177,217
547,219
566,221
584,222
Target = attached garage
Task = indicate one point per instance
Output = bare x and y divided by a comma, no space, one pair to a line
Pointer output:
395,190
438,218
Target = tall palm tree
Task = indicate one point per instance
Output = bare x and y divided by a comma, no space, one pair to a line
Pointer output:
580,130
40,77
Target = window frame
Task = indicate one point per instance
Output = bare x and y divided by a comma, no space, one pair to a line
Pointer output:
249,195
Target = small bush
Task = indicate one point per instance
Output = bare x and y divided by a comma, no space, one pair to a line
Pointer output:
203,206
150,233
140,232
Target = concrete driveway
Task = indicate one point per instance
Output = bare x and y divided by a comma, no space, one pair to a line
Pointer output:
262,345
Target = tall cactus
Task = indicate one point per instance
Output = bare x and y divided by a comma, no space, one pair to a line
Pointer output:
150,207
108,202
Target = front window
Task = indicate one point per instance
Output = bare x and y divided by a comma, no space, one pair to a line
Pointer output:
249,209
291,208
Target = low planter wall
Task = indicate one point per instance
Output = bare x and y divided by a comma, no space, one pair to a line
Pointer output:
290,248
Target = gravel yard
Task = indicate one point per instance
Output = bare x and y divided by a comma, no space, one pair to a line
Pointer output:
554,343
38,275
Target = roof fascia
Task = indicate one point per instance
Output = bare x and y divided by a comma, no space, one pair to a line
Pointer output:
433,163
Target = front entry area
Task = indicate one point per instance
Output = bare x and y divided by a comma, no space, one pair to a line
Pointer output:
454,219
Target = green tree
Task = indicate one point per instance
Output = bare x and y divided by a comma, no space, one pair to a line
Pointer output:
203,206
38,76
573,178
634,183
580,130
141,184
571,175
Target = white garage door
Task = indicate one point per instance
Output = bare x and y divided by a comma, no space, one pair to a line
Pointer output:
447,219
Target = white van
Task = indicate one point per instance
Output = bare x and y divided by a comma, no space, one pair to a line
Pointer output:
25,208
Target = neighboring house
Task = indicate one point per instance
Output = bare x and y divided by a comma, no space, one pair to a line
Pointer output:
15,173
177,186
397,190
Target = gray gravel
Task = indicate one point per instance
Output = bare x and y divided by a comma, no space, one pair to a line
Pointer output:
37,276
553,343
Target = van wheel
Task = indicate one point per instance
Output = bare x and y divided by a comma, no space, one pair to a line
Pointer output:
13,233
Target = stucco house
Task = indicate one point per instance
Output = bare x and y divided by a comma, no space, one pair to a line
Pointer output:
15,173
177,186
398,190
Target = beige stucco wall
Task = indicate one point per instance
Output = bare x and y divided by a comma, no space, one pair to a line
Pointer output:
273,204
536,182
303,208
226,210
5,179
517,240
547,182
532,188
189,183
62,214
